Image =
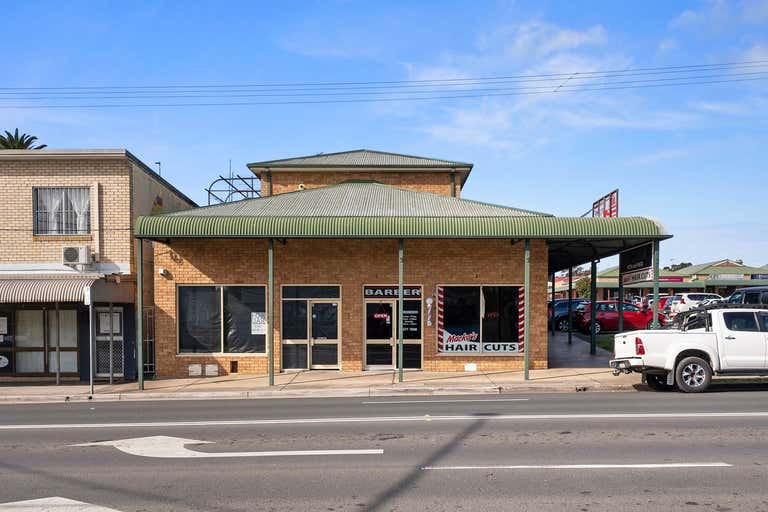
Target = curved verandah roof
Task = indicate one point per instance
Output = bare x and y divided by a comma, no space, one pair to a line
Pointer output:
365,209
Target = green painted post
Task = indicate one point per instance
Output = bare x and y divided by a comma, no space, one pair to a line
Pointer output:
553,304
593,308
139,311
527,310
621,305
271,306
400,310
570,305
655,284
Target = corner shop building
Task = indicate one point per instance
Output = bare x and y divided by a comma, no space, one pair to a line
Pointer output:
315,266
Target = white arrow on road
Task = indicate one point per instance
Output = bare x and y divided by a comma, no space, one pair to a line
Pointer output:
167,447
54,504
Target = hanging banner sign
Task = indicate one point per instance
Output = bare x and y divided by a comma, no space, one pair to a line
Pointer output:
636,265
607,206
372,292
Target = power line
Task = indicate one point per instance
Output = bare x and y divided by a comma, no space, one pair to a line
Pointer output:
565,85
390,99
629,71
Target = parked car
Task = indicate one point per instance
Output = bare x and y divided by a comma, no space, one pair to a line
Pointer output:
712,302
719,340
648,300
561,313
665,303
607,317
686,301
751,295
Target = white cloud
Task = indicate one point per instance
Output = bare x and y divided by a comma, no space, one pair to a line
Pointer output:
658,156
667,45
717,15
757,52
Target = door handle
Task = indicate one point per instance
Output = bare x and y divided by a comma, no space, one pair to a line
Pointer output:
730,337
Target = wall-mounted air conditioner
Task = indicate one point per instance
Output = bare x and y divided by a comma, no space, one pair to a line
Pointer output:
75,255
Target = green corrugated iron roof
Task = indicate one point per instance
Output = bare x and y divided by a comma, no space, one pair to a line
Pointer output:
197,226
361,158
357,199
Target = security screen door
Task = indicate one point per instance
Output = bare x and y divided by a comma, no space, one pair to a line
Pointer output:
380,325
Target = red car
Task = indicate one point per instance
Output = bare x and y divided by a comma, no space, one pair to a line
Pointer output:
607,317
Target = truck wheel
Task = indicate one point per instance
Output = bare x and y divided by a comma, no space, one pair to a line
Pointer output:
693,375
562,324
657,382
649,326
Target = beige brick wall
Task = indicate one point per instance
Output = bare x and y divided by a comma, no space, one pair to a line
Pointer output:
110,224
350,264
288,181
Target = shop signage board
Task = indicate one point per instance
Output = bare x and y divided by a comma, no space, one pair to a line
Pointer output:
636,265
607,206
374,292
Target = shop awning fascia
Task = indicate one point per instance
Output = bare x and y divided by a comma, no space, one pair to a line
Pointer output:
34,290
166,227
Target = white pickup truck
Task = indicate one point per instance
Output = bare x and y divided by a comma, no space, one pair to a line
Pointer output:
718,340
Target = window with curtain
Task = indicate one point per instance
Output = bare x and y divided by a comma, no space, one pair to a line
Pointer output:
62,211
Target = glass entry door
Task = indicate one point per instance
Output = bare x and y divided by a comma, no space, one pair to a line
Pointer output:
310,328
380,334
324,339
381,348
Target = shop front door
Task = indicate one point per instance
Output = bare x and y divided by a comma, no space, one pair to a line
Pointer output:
310,335
380,329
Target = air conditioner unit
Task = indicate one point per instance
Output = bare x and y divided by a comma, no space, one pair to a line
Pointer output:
75,255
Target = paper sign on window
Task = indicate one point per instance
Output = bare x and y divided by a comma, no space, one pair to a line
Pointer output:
258,322
3,325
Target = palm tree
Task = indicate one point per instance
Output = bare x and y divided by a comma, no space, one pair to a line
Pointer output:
16,141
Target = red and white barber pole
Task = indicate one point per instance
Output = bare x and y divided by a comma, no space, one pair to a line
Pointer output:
521,319
440,320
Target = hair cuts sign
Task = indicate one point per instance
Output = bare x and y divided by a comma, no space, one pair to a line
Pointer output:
476,320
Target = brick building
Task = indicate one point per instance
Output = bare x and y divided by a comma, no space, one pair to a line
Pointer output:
348,256
68,265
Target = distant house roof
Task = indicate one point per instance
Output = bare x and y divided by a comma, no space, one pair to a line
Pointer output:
366,159
613,272
720,267
367,209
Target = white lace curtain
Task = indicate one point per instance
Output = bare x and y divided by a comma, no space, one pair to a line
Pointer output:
63,210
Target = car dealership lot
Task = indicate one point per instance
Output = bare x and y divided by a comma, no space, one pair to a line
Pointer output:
419,453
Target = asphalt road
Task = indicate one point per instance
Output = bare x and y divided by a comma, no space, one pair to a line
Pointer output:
585,452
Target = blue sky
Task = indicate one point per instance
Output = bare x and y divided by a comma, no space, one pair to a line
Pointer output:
694,157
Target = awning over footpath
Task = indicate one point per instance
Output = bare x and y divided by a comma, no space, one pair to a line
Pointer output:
368,209
16,289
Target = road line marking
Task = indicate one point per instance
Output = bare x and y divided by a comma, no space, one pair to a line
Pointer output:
167,447
54,504
447,401
392,419
672,465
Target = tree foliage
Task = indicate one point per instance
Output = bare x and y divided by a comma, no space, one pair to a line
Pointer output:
678,266
582,286
16,141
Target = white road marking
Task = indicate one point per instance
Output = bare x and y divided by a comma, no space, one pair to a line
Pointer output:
672,465
447,401
391,419
54,504
167,447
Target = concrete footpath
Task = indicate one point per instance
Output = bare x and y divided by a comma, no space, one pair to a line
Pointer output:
574,369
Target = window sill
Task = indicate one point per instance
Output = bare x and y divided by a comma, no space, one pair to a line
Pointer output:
56,238
223,354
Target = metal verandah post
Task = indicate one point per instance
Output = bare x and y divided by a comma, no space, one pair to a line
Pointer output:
526,310
58,346
90,346
139,312
271,306
570,305
621,305
400,310
655,284
553,304
593,308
